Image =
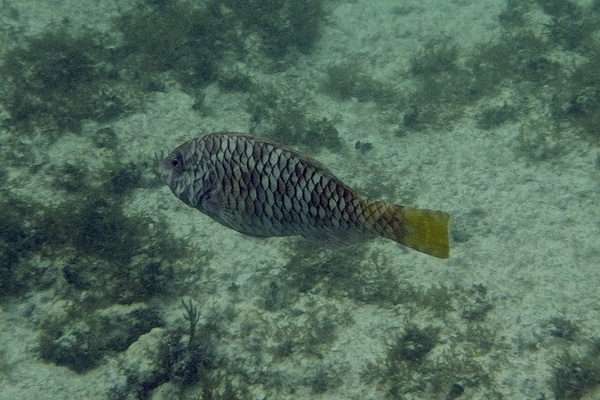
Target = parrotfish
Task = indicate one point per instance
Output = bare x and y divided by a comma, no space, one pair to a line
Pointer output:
262,188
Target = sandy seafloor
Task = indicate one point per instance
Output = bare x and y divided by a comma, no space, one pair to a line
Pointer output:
532,228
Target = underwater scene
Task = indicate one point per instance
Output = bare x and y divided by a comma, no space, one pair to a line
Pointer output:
142,259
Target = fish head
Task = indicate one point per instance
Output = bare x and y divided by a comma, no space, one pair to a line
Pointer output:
179,170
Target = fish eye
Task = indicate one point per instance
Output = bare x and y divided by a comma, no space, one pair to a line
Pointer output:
177,162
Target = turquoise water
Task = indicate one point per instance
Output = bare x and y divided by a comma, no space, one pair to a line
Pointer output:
110,287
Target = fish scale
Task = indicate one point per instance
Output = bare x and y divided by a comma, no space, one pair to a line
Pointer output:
262,188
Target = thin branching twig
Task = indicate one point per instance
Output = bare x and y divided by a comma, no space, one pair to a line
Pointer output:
192,316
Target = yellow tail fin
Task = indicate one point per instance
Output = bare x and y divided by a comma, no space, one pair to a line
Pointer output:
420,229
426,231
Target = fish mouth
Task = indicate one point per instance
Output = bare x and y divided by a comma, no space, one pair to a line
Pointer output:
164,170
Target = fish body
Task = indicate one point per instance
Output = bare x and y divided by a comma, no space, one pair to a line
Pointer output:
262,188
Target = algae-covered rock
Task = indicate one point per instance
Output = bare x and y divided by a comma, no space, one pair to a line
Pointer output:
81,339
